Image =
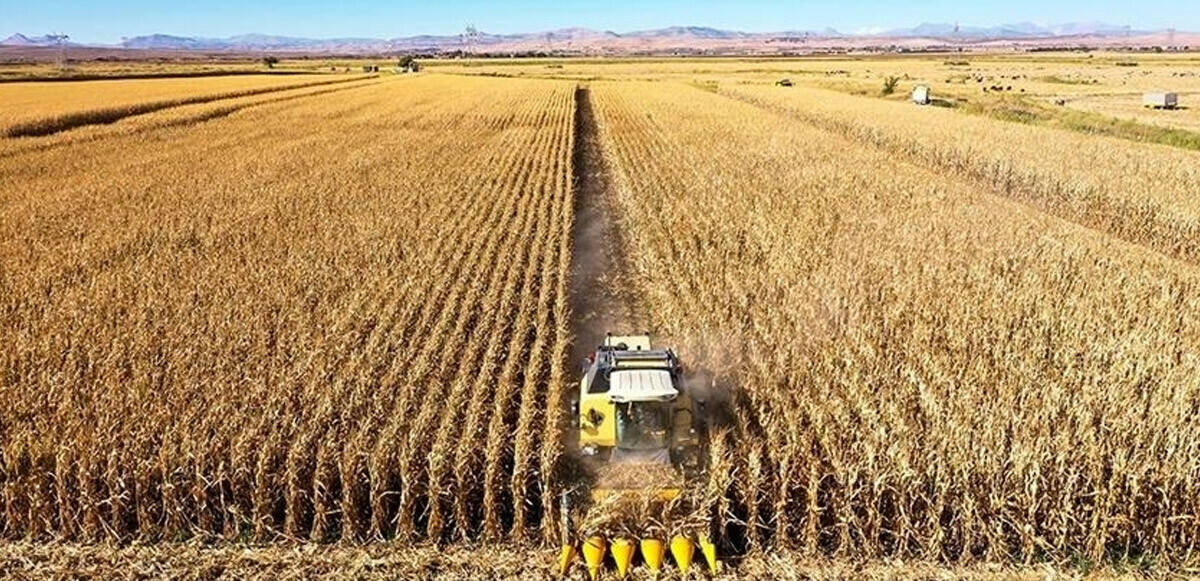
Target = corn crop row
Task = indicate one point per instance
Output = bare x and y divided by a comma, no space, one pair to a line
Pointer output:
917,369
303,322
1140,193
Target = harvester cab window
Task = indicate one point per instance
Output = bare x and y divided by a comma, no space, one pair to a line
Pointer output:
643,425
599,382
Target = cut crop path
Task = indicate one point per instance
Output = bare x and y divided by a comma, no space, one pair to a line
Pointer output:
601,297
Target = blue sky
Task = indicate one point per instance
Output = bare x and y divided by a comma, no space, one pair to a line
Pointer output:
109,20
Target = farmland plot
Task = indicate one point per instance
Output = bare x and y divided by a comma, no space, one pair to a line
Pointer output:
1129,106
319,318
184,112
919,369
43,108
340,313
1137,192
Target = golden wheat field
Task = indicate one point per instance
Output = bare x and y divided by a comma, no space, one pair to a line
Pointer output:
320,326
36,109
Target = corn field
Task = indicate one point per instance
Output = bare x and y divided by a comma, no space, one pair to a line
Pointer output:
339,317
37,109
1141,193
920,368
341,312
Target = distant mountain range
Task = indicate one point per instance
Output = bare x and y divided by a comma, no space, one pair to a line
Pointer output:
1005,31
664,39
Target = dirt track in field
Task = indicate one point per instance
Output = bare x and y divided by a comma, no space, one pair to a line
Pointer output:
601,299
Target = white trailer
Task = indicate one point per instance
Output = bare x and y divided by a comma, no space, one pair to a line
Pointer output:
1160,100
920,95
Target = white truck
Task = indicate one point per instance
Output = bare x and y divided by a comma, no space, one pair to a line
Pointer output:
1160,100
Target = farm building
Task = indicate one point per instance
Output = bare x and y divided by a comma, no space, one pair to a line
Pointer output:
1160,100
920,95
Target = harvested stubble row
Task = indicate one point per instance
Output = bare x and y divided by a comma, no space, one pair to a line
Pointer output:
391,561
919,369
1142,193
303,319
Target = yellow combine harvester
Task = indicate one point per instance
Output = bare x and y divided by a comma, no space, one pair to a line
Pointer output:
641,431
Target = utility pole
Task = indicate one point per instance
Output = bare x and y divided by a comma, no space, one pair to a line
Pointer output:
470,37
60,40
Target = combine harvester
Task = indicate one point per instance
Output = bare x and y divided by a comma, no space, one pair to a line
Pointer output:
641,431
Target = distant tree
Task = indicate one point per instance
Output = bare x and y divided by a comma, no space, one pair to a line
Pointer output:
889,85
270,61
409,62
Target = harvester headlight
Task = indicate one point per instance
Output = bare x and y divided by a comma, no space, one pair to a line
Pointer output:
589,450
